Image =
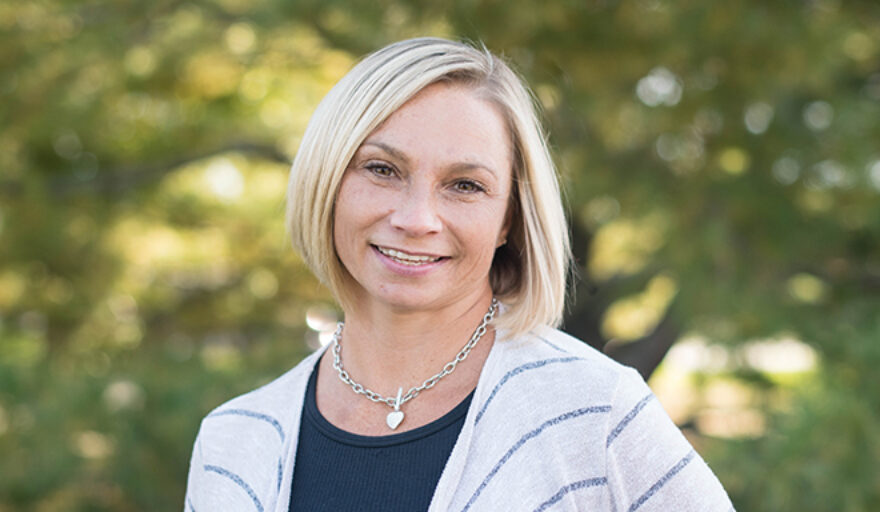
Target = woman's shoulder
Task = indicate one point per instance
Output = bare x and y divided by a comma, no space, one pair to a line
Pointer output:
573,361
546,373
269,406
241,444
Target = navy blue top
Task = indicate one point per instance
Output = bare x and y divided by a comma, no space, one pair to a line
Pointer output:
340,471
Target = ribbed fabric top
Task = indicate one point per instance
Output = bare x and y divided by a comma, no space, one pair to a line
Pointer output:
340,471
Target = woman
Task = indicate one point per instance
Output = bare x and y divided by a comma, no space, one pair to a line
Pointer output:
424,197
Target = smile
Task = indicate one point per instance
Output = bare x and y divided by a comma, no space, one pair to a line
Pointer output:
406,258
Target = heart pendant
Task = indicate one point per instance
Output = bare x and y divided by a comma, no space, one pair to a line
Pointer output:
394,419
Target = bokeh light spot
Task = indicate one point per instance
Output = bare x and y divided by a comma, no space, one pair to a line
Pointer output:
67,145
625,246
123,395
786,170
321,318
806,288
600,210
859,46
757,117
240,38
548,95
873,170
224,179
783,355
90,444
262,283
818,115
734,160
660,87
140,61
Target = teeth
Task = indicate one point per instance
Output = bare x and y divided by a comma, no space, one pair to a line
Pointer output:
406,259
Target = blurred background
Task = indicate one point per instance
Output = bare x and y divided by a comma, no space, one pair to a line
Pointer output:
722,168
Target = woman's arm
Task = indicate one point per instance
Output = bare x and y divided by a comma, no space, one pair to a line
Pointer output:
650,464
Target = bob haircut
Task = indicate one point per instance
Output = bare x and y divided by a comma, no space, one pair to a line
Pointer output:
529,272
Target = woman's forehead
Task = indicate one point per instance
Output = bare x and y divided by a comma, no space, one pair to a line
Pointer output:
446,121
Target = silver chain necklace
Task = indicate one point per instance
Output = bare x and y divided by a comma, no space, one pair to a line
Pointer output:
395,417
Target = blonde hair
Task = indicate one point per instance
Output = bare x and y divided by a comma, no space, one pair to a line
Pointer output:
529,272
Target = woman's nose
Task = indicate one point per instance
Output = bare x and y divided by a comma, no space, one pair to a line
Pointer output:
416,213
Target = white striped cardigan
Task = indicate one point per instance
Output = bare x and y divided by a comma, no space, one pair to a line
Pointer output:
553,425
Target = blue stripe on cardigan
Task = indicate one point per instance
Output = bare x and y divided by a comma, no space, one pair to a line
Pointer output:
531,435
666,478
251,414
516,371
238,480
628,418
590,482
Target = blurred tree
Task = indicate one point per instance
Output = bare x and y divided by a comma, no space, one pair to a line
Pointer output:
722,176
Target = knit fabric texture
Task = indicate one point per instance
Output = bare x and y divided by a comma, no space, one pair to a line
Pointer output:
553,425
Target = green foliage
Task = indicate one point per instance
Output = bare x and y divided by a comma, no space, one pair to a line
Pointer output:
91,431
722,175
821,454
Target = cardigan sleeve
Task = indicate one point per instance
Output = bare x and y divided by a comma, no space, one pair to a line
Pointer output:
651,467
231,469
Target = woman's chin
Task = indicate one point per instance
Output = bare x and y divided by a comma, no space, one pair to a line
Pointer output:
415,299
409,301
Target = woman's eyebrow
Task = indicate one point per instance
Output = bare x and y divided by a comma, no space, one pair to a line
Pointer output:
469,166
396,153
459,167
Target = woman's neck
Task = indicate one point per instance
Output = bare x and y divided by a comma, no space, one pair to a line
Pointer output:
385,348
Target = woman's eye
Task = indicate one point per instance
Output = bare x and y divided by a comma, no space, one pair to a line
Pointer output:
380,170
468,186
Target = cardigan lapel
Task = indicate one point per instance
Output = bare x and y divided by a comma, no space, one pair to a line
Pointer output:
451,476
293,403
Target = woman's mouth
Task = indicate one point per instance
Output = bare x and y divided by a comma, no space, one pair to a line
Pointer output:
405,258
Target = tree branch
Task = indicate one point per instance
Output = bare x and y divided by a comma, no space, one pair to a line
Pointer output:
122,179
646,354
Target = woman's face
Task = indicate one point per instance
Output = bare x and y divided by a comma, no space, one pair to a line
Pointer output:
423,203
